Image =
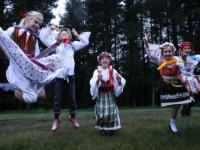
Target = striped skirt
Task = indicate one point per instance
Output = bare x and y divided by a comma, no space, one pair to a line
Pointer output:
171,95
106,112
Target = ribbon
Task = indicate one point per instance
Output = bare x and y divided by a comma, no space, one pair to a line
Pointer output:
166,62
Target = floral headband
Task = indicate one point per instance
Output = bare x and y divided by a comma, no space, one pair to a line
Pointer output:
168,44
104,54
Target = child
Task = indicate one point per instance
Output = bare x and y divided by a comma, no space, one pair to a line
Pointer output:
26,74
66,50
190,74
105,85
172,92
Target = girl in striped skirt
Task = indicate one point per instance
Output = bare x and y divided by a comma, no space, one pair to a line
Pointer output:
105,85
172,91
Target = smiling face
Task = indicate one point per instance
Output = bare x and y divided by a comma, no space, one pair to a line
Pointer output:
167,52
33,23
187,50
64,35
105,61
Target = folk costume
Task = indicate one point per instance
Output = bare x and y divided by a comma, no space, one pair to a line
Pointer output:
104,93
190,71
172,91
27,74
66,50
190,76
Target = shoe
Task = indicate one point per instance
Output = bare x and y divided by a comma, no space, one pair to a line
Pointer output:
56,125
185,110
7,88
172,127
74,122
188,111
110,132
102,132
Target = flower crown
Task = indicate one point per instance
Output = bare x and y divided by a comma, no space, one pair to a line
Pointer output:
104,54
168,44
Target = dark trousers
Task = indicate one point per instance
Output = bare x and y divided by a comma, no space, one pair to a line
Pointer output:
59,94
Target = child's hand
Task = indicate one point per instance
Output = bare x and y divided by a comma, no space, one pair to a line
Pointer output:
74,32
146,38
99,77
118,79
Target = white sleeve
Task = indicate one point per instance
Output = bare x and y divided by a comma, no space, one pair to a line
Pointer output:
118,88
94,88
84,41
10,31
47,36
197,57
154,53
37,49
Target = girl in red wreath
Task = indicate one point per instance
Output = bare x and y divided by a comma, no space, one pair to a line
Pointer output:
172,91
190,74
105,85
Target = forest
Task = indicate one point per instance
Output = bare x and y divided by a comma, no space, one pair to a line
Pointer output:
116,26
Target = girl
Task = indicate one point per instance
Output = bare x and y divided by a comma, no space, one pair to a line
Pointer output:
190,74
105,85
26,74
172,92
66,50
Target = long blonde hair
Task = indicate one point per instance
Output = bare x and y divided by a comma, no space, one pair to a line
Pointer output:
32,14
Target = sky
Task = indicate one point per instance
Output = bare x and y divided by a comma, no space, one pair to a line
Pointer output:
59,11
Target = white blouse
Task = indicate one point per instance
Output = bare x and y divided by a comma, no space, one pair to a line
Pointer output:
94,87
66,51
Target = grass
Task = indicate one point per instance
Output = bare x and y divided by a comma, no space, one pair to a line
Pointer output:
142,129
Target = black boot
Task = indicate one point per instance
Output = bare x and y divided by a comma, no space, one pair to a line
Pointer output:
184,110
102,132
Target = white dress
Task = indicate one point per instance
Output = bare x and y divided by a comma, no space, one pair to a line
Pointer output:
23,73
94,87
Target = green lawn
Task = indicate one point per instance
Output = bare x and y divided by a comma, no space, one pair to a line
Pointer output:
142,129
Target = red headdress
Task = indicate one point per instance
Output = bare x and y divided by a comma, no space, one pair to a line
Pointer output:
184,44
22,14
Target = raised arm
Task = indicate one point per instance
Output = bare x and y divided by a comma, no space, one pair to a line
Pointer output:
83,39
152,50
48,36
146,41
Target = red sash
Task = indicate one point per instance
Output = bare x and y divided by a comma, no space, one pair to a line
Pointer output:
109,85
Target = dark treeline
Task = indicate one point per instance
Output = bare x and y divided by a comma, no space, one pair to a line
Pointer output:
117,26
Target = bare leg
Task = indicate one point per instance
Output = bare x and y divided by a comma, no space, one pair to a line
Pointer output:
173,115
18,95
42,95
174,111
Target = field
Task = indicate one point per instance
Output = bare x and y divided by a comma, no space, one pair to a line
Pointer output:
142,129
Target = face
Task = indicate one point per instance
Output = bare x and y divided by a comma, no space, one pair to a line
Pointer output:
167,52
33,23
64,35
186,51
105,62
